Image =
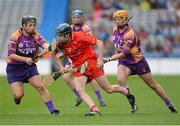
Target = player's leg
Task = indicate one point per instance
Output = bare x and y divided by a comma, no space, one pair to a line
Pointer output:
97,92
80,83
104,83
122,74
151,82
70,82
17,91
37,83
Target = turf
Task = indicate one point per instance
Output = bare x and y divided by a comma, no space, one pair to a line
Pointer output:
151,108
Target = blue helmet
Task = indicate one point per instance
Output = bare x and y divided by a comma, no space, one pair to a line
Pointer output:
77,13
63,29
63,32
77,17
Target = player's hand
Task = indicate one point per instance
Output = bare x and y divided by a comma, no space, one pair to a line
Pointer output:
69,68
35,60
100,63
105,60
63,70
29,61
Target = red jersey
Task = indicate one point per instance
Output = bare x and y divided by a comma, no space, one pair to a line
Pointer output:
79,49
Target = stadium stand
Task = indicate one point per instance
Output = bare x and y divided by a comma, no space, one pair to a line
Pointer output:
11,12
49,14
157,22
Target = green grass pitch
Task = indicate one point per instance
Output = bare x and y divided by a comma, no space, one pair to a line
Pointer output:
151,108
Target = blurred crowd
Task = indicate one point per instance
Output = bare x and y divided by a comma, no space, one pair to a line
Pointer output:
156,21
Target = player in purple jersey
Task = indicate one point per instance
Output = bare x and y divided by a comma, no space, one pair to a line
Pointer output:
23,46
131,60
79,26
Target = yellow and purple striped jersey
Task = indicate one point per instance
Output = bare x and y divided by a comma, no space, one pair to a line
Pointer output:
128,42
24,45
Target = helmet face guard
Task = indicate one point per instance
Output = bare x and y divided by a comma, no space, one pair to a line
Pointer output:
64,32
77,17
64,38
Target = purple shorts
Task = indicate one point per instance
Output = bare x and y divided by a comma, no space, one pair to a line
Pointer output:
20,72
139,68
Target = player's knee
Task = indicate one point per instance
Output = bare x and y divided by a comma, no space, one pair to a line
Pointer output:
154,86
40,88
66,78
152,83
80,90
121,81
109,90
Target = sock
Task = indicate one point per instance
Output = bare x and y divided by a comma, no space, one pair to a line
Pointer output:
167,102
50,106
98,95
128,92
76,93
125,91
94,108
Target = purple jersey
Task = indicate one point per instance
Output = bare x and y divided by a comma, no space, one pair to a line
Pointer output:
128,43
82,28
24,45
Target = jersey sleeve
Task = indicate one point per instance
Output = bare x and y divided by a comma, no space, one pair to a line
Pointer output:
114,37
87,30
12,45
40,40
128,43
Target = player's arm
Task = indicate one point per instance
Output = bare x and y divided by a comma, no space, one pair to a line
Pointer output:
45,45
21,58
60,55
87,30
56,60
12,45
124,51
91,40
56,56
117,56
99,44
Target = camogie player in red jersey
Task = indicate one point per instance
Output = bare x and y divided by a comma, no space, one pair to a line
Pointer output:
78,47
79,26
